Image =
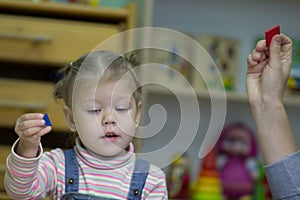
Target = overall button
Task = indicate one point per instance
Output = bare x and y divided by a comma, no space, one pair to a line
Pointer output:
136,192
71,181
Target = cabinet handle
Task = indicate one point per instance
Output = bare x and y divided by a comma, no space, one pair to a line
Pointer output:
36,38
21,105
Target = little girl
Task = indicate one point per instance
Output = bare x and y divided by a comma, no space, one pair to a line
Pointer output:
103,107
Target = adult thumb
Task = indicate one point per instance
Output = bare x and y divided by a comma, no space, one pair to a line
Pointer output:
275,50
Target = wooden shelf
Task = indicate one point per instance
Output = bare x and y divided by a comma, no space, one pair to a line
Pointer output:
289,99
231,96
71,10
74,9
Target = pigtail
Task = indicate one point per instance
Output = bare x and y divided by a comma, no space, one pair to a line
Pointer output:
133,59
59,91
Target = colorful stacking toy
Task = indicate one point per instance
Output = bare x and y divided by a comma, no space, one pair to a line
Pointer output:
208,185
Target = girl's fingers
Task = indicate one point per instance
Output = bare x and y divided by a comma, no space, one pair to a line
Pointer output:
34,135
44,131
31,116
23,125
29,124
31,131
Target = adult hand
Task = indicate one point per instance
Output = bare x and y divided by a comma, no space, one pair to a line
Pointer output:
268,70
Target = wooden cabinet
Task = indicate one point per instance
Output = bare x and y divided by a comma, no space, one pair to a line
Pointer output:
36,40
56,33
4,153
20,96
47,35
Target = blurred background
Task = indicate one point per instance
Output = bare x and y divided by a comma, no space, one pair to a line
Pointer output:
37,38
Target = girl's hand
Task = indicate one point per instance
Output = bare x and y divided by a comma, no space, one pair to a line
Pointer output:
268,70
30,128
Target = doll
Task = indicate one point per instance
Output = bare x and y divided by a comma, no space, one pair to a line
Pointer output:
179,178
236,152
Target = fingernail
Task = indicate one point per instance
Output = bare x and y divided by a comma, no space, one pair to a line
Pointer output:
278,39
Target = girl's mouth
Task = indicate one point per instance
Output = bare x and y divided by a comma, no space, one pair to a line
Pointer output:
111,136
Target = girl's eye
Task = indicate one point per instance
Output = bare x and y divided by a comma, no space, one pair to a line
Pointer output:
122,109
94,111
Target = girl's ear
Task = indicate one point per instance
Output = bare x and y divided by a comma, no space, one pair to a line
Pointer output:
69,118
138,114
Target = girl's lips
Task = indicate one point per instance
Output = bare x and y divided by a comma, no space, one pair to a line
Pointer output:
110,136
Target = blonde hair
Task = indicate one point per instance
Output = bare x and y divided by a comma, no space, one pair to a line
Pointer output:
108,65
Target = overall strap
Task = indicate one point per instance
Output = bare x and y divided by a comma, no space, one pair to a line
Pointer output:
138,179
71,171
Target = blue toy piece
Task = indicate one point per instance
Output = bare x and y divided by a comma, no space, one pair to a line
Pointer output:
47,120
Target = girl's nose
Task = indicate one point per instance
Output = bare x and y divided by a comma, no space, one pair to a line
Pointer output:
108,118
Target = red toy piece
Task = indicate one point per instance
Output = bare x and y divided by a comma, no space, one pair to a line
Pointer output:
271,33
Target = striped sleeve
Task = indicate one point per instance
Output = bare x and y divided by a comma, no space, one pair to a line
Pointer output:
26,178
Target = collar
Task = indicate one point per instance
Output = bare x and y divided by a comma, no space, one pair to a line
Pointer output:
104,164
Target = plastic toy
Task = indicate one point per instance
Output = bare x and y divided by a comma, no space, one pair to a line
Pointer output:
179,178
208,185
237,164
270,33
47,120
262,189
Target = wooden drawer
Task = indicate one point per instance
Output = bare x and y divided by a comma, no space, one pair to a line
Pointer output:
4,196
2,173
4,151
22,96
49,40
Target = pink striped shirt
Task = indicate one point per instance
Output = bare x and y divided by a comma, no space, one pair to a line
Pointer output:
45,175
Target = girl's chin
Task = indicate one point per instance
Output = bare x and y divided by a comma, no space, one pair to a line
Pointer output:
110,139
109,152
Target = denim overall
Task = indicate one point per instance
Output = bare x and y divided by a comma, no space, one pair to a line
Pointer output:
138,179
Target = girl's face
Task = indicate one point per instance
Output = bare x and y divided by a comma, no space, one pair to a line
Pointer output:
106,116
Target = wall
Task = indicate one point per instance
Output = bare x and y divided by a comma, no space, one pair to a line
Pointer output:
244,20
234,18
236,111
